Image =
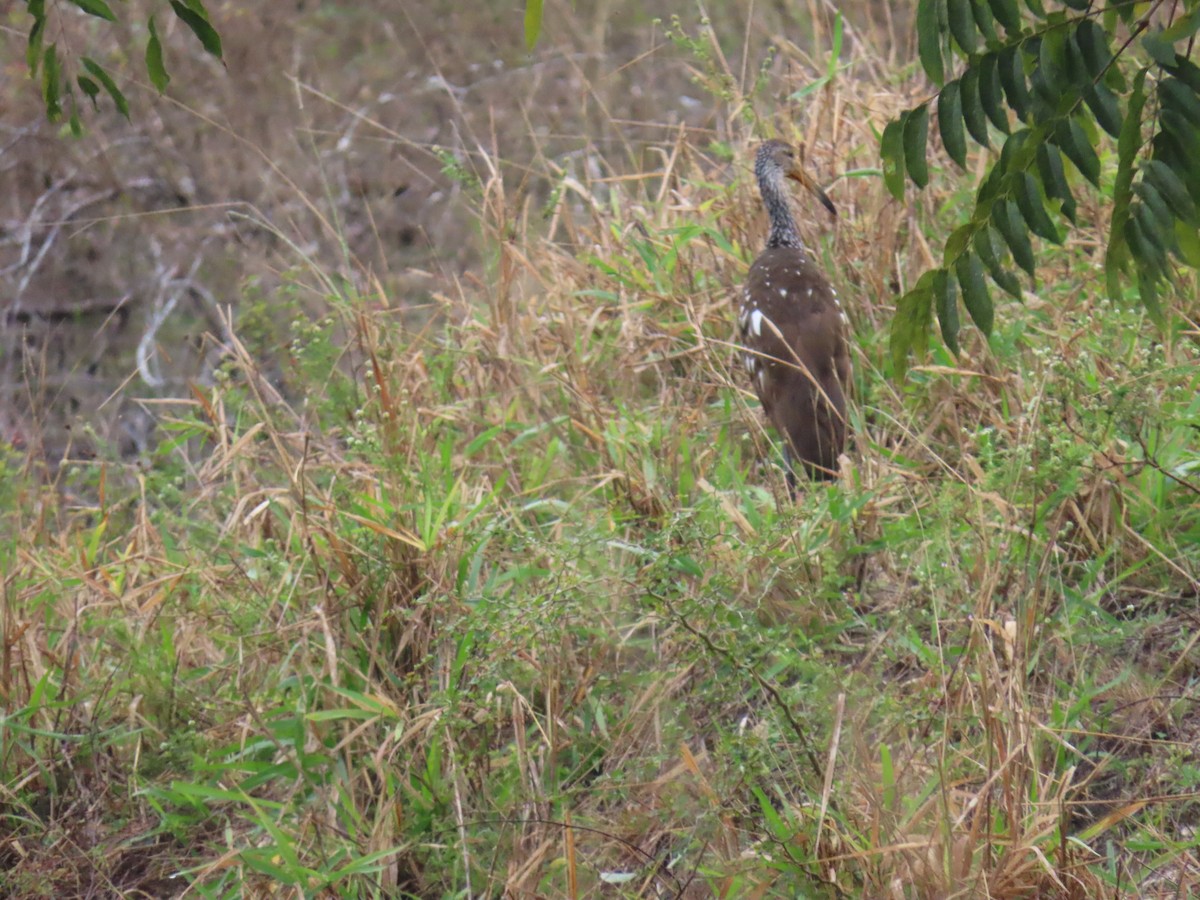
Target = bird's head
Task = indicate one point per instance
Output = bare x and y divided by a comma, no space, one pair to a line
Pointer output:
777,160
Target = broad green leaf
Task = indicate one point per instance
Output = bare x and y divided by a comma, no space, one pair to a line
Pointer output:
910,326
1007,13
945,297
975,294
1007,219
985,248
1054,177
1093,44
1169,150
1128,145
1029,202
1187,72
959,238
33,51
1050,102
1011,69
154,60
1183,26
1052,56
988,191
533,23
1159,234
1158,209
1017,153
1148,256
930,14
962,24
950,123
90,88
1172,189
1148,291
1188,238
972,109
51,83
1161,50
1176,95
96,8
1175,123
990,93
1076,66
915,138
1114,77
97,71
1078,149
891,149
1035,7
198,23
1103,104
1129,142
1110,14
985,21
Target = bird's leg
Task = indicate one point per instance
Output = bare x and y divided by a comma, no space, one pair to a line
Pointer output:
790,471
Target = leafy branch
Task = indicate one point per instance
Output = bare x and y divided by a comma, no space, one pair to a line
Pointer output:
90,77
1049,82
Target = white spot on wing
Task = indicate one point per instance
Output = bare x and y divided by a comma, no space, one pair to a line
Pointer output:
756,320
749,362
783,292
760,378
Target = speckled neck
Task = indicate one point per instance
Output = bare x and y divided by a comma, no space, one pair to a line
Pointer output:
783,226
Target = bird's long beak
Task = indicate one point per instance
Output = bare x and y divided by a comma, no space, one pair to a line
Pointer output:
798,173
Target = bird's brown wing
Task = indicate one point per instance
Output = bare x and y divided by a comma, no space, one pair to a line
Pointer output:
798,358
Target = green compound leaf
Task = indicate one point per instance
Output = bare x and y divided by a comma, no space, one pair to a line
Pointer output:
950,123
945,296
975,294
915,137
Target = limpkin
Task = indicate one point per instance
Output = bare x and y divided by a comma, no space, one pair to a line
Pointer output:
793,329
